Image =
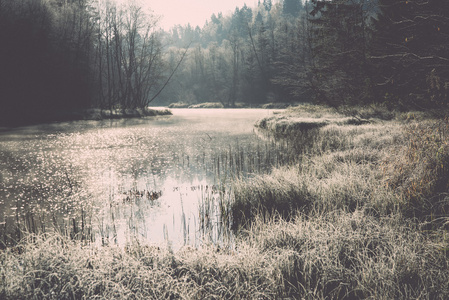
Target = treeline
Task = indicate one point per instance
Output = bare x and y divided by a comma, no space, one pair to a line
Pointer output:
340,52
42,63
65,55
235,58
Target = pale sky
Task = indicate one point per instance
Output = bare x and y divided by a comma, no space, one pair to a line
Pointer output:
195,12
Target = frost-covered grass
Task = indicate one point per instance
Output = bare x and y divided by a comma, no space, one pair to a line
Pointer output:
305,117
335,255
373,171
338,167
179,105
361,213
199,105
207,105
400,166
53,267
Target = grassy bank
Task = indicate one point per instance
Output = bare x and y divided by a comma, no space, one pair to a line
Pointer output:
367,168
335,256
200,105
361,212
399,166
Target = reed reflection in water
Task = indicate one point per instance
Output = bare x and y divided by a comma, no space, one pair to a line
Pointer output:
97,180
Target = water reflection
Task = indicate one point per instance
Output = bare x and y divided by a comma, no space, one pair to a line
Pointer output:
92,178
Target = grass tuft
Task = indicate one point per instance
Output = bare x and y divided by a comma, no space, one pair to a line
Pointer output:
341,255
418,170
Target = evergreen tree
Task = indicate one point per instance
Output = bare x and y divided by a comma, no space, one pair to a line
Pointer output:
267,4
241,19
45,59
410,51
291,7
338,72
290,67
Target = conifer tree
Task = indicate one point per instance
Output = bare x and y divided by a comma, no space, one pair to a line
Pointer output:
338,72
410,52
291,7
267,4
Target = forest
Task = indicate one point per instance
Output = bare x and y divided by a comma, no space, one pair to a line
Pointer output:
62,55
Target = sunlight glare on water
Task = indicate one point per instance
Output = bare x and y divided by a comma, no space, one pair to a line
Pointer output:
151,178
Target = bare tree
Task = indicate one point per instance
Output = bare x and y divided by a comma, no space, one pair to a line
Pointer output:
130,55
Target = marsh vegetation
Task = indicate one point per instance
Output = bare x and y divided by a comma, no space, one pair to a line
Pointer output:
351,211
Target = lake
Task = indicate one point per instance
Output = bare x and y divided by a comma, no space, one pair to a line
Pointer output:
159,179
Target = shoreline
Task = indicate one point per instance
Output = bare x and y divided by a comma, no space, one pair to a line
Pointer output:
239,105
91,114
97,114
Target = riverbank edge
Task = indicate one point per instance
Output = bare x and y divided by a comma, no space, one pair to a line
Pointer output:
84,114
237,105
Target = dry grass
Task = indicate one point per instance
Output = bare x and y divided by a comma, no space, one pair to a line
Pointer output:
179,105
334,224
341,255
418,170
207,105
53,267
337,167
335,255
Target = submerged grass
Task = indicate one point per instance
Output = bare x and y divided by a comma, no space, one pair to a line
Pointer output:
359,213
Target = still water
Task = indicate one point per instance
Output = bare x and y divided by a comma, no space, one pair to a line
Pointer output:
161,179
